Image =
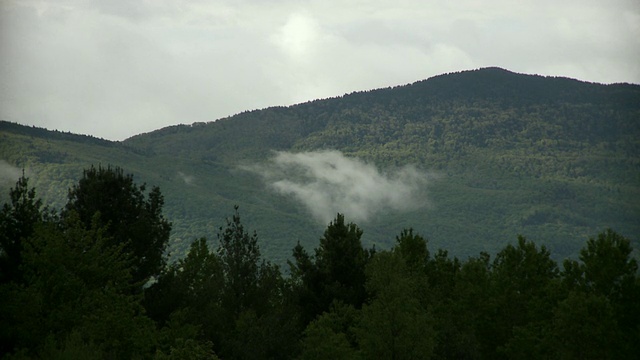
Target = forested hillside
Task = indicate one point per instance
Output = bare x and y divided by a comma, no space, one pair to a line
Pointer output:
553,159
88,281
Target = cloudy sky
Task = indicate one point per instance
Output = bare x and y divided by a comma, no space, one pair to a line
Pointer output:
117,68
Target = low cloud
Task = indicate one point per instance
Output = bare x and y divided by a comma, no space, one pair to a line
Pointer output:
327,182
188,179
9,173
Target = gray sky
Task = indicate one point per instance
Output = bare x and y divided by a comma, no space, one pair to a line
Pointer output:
116,68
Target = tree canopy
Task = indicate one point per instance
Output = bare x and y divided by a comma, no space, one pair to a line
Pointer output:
130,217
71,294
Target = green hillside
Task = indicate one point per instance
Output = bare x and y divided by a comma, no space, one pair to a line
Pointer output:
553,159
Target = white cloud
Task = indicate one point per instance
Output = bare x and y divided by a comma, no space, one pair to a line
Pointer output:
299,36
188,179
327,182
9,174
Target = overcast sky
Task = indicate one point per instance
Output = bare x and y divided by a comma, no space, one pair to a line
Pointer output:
116,68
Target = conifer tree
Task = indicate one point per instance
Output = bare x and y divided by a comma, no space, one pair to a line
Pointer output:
131,218
17,223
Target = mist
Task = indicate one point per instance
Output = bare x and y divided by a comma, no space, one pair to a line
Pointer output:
328,182
188,179
9,173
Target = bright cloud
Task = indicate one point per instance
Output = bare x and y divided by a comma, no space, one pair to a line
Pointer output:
327,182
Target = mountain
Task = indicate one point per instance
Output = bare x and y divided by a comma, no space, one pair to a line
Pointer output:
469,160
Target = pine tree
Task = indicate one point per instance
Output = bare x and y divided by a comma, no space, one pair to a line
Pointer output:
131,218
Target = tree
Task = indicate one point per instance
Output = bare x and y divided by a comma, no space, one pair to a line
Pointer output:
331,335
192,285
523,292
257,324
17,223
460,314
341,261
584,327
131,219
240,255
394,323
607,269
413,249
608,265
335,273
75,282
185,302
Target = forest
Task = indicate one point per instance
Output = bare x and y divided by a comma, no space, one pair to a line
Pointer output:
554,159
92,280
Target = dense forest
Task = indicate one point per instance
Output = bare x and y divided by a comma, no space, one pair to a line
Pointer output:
91,280
554,159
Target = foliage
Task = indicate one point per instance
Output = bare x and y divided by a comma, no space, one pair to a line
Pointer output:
334,273
131,220
72,298
331,335
17,222
395,324
75,282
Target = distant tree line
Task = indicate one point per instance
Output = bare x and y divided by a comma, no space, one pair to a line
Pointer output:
91,281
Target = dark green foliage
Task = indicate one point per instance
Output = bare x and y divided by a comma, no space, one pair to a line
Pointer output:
131,220
395,323
340,260
413,249
335,273
72,298
258,323
608,269
74,281
521,291
186,301
331,335
234,298
584,327
240,257
18,219
192,286
188,349
462,318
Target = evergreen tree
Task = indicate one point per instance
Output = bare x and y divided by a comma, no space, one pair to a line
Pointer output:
523,293
240,255
76,294
131,218
608,269
17,222
394,323
257,324
584,327
191,286
332,334
335,273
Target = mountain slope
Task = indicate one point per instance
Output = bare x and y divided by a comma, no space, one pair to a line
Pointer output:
553,159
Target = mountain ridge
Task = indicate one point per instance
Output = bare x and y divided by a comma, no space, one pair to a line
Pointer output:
548,157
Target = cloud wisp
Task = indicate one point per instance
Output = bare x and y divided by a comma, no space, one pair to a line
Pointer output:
188,179
9,173
328,182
